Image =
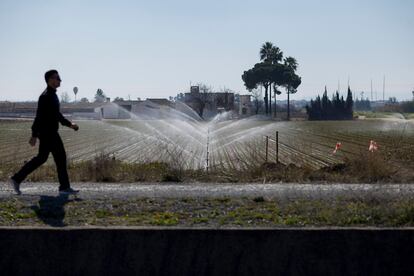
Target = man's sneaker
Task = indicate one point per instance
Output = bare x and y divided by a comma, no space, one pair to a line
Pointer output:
15,186
68,191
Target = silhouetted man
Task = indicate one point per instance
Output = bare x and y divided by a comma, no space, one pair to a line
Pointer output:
45,128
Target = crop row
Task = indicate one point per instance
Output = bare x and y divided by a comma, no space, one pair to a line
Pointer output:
235,144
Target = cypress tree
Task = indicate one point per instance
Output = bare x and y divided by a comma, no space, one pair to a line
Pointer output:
349,105
335,109
325,106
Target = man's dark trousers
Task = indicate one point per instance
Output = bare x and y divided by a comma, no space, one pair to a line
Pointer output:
49,143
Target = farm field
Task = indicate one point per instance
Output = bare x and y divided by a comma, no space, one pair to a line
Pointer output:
236,143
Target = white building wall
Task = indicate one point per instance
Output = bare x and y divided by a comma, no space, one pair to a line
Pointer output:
245,107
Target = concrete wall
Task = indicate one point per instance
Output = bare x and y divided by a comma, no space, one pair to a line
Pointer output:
104,251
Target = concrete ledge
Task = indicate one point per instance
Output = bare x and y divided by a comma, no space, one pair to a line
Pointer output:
161,251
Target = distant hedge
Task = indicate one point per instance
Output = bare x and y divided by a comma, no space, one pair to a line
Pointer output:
335,109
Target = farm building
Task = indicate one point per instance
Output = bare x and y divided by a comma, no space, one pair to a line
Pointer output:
148,109
213,102
245,105
28,110
217,102
117,109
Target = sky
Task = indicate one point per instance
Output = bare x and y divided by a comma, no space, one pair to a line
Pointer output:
156,49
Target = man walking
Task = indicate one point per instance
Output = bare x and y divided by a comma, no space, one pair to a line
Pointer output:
45,128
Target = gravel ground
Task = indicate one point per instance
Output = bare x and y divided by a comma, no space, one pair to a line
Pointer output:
280,191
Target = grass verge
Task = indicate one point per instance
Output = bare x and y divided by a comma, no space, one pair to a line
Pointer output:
197,212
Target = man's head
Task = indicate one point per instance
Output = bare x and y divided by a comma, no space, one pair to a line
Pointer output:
52,78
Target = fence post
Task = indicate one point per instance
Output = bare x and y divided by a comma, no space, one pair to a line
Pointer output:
277,147
267,148
208,142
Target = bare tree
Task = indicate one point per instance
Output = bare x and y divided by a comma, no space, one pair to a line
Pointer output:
202,98
226,90
257,100
64,97
100,96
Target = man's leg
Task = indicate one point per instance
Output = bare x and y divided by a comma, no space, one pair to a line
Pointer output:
34,163
59,154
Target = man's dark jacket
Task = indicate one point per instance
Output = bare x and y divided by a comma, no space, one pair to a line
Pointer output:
48,114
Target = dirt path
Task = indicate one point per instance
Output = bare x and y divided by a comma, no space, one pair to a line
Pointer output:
286,191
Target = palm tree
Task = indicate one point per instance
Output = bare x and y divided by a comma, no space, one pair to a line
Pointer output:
265,55
266,51
292,64
273,55
270,53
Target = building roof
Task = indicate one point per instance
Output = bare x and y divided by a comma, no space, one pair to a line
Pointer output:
128,102
161,101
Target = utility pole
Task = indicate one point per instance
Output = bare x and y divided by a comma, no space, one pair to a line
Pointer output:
372,99
338,87
383,90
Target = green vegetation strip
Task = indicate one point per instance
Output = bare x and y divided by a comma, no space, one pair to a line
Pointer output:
201,212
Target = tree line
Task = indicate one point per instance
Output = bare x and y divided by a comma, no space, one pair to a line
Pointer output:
335,109
362,105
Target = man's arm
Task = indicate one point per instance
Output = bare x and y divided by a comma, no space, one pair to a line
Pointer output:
66,122
63,120
39,116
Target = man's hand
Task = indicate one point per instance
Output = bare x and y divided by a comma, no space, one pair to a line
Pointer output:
74,126
32,141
